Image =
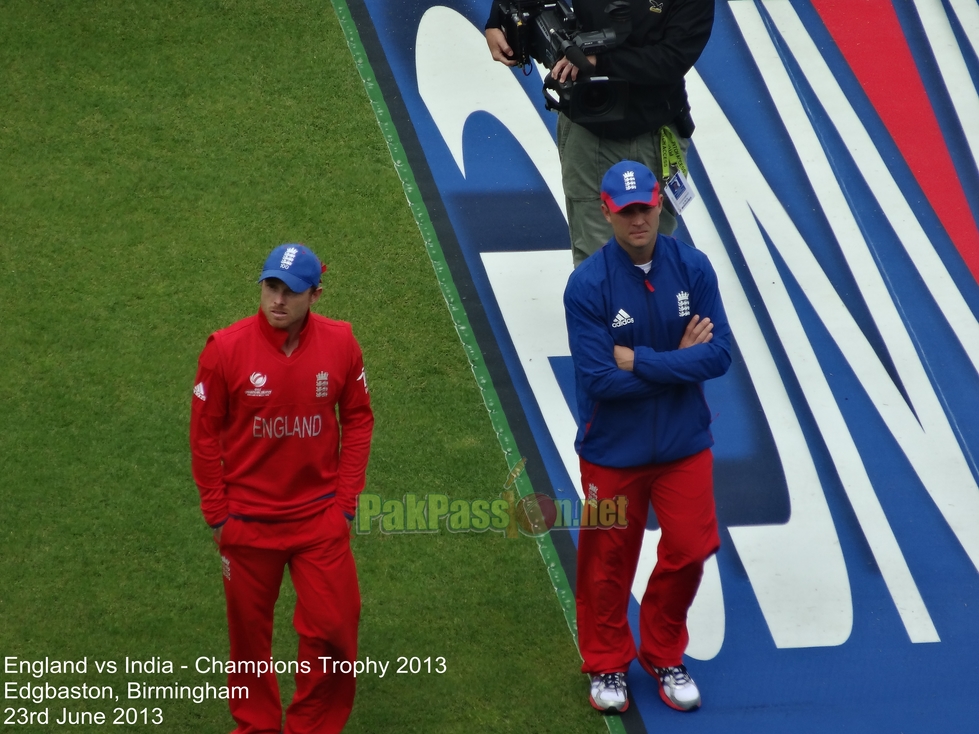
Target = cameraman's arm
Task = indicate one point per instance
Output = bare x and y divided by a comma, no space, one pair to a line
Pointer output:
499,47
666,61
495,19
495,38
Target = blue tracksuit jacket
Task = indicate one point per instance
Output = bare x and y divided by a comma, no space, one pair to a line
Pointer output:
657,413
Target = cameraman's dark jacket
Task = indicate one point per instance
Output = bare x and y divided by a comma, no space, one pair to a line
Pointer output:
667,37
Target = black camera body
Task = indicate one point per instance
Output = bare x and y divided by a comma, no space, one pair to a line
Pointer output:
547,31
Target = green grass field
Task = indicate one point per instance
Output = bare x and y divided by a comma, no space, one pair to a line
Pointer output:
150,155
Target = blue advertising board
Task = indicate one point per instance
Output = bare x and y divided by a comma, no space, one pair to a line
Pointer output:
837,195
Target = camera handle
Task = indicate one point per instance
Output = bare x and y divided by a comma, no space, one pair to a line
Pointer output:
577,57
555,102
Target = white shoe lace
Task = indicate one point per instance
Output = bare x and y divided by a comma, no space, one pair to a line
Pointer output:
679,674
614,681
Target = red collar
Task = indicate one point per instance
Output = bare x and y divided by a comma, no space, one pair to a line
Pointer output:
277,337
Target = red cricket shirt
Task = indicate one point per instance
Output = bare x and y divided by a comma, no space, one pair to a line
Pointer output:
265,429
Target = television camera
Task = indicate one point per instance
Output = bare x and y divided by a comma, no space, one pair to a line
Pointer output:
547,31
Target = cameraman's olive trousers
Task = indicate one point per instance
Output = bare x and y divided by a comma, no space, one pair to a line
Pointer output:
585,157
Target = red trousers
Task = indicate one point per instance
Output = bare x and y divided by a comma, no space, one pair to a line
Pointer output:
682,495
321,565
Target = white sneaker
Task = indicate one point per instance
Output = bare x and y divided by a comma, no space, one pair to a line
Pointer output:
609,693
677,688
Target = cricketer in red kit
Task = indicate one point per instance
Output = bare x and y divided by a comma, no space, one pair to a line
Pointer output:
280,435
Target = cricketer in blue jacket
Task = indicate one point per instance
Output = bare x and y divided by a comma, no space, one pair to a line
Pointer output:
646,328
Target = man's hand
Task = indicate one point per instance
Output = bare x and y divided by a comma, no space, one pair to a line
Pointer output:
564,69
216,532
698,331
624,357
498,46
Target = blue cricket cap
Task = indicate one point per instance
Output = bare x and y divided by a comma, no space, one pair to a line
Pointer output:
629,182
295,265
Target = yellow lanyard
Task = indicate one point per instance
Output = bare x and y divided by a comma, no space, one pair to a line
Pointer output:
670,153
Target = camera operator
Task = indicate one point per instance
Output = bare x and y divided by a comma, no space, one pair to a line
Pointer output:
666,38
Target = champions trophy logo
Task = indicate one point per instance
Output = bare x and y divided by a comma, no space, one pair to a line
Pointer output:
258,380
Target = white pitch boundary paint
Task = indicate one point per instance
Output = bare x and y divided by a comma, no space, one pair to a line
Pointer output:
967,12
529,288
796,569
457,77
744,195
888,194
924,433
951,63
